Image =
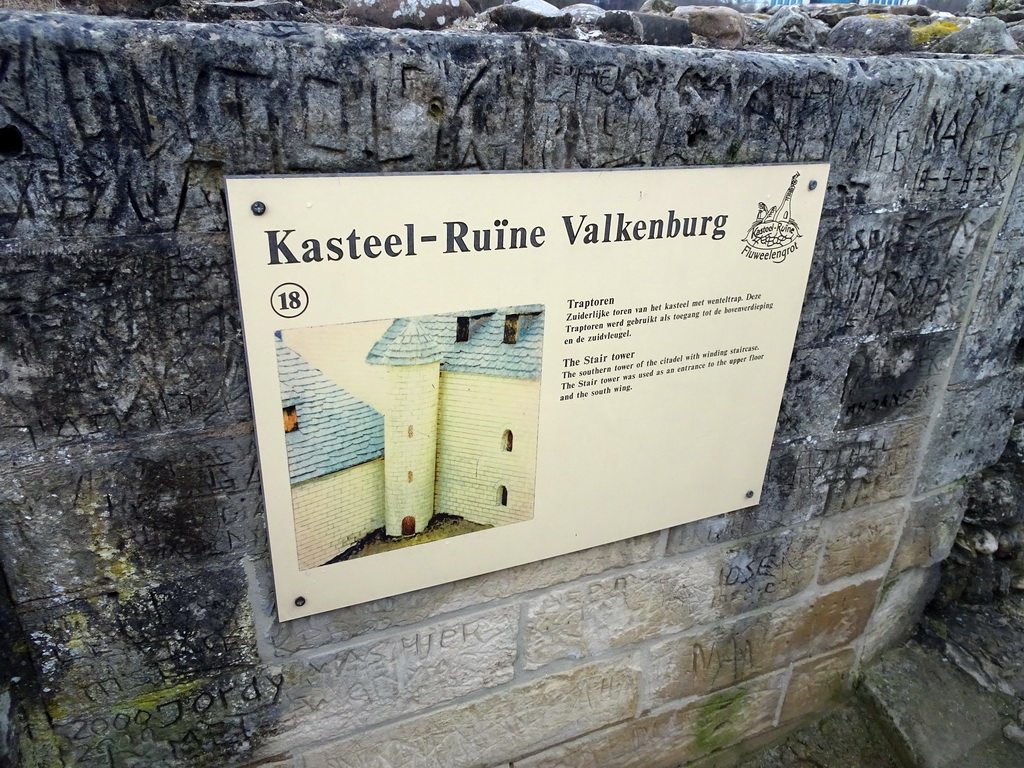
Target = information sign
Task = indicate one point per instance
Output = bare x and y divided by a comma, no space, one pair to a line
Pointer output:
457,373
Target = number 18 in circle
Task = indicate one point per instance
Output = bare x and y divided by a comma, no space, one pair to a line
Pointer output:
289,300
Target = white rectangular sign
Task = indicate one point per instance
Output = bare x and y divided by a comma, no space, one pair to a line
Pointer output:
457,373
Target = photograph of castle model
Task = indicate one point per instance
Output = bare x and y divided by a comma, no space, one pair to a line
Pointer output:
409,430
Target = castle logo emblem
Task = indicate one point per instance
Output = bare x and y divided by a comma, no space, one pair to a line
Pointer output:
773,235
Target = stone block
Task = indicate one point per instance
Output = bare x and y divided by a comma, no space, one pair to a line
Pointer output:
219,720
612,612
95,653
900,606
893,379
899,273
785,502
369,682
868,33
930,530
814,389
971,431
903,688
110,338
116,519
497,727
835,618
888,154
335,626
858,541
720,656
861,467
151,159
668,739
816,684
992,345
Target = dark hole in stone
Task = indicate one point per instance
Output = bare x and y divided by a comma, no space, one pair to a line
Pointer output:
435,109
1018,353
11,143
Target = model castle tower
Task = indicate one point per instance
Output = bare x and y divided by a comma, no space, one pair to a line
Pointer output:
413,359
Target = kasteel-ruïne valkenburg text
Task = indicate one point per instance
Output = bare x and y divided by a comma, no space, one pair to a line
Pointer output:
288,246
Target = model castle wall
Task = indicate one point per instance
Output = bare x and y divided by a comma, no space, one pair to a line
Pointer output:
475,413
335,511
137,624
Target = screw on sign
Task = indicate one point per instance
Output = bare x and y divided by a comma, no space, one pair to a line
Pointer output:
289,300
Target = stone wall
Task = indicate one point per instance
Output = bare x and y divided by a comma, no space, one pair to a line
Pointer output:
132,536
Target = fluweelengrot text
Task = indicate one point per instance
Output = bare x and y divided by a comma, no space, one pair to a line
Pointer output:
285,246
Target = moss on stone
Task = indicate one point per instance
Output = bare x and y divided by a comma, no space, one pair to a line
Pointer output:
716,721
932,32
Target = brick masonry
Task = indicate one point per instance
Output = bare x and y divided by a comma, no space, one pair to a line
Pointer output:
136,614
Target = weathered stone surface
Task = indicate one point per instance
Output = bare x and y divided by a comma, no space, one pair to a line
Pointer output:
861,466
120,519
496,728
279,10
369,682
520,16
993,497
814,389
904,685
655,29
718,657
326,628
985,641
868,33
902,273
130,499
792,28
722,25
988,35
909,10
899,608
971,431
292,118
95,652
816,683
930,529
817,476
992,344
859,541
19,692
208,721
672,737
592,616
418,14
833,13
845,734
647,28
147,339
585,13
897,378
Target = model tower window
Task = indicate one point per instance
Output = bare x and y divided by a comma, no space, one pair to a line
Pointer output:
506,441
503,495
511,329
291,419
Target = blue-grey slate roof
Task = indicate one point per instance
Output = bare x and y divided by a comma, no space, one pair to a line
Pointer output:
406,342
336,430
484,352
